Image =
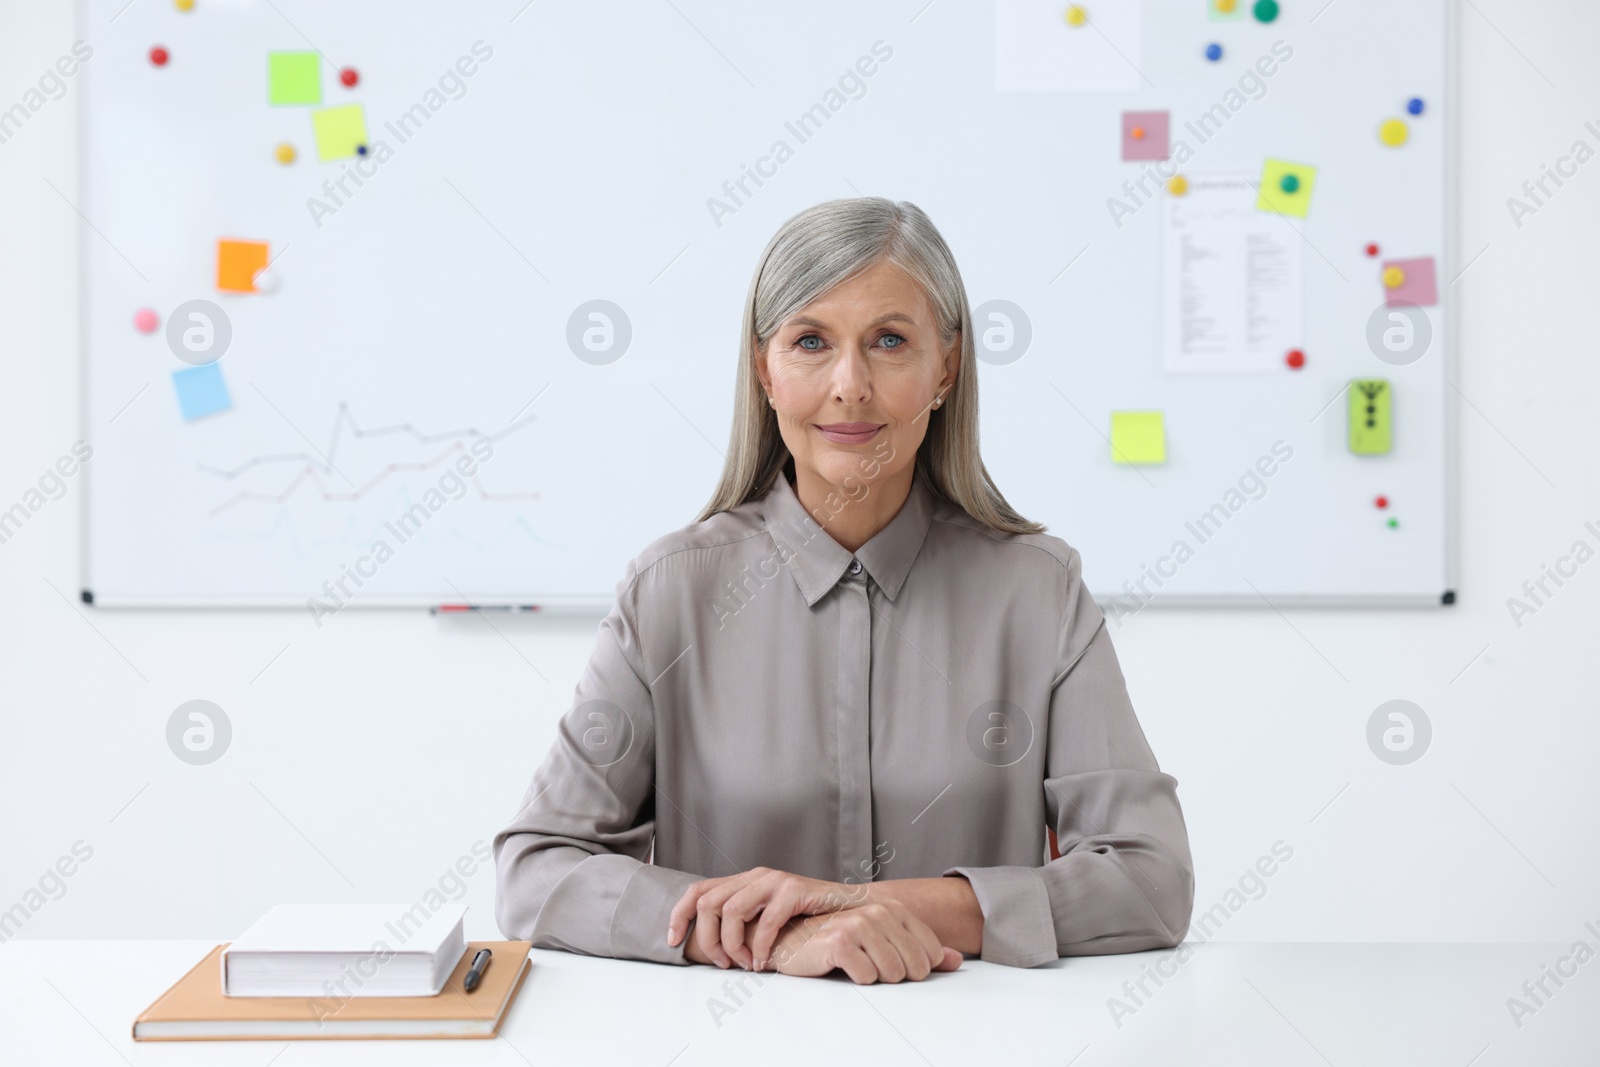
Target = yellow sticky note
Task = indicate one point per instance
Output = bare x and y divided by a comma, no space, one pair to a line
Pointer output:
339,131
294,78
1138,437
237,264
1286,197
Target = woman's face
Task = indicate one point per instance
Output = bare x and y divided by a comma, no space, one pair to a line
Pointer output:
855,374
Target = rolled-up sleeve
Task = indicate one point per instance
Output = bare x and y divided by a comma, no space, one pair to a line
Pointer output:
1124,881
570,870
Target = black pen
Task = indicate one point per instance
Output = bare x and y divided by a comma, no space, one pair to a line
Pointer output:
480,963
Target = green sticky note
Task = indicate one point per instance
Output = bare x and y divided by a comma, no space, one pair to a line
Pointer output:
1294,200
339,131
294,78
1138,437
1371,416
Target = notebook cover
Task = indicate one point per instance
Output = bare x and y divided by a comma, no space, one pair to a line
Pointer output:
198,997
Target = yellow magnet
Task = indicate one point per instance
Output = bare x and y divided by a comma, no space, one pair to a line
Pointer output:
1393,133
1076,15
1177,185
1393,277
183,5
284,153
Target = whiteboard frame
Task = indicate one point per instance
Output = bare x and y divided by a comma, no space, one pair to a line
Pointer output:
586,606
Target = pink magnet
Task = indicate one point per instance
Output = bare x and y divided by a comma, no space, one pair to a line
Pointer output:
1151,139
1419,288
145,320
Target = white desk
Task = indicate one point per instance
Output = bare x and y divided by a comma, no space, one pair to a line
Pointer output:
73,1002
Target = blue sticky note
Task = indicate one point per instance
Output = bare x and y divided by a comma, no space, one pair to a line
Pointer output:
201,391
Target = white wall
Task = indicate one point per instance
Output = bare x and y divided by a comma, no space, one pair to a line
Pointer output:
369,756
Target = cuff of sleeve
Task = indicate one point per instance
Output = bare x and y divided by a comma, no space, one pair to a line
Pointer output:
1018,927
639,925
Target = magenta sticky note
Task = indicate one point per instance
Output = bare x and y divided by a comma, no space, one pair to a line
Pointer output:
1420,287
1145,135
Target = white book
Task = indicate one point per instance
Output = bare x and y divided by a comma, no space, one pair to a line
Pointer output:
345,950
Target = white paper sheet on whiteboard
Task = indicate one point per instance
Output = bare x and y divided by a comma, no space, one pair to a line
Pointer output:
1037,51
1231,279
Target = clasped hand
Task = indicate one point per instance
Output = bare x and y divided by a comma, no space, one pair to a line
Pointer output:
805,926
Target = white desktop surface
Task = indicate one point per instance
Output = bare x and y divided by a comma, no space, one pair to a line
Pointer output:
73,1002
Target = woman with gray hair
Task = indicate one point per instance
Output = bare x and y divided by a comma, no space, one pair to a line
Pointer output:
861,714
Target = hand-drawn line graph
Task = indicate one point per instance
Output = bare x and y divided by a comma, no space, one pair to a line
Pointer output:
323,463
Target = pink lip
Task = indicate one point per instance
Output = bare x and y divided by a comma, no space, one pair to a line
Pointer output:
850,433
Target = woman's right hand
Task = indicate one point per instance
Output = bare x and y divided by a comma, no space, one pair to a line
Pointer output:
878,942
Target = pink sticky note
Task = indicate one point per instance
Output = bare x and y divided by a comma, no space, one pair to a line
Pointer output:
1144,135
1419,288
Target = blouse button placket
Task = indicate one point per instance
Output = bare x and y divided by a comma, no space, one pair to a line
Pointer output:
854,719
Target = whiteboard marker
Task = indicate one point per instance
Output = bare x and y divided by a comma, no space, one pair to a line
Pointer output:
457,608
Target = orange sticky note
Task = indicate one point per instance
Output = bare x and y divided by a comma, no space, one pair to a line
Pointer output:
237,264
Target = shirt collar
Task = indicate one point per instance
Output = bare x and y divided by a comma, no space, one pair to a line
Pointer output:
817,561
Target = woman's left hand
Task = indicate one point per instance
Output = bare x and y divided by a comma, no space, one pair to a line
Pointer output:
722,907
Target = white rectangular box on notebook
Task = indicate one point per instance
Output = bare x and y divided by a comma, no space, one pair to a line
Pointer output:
345,950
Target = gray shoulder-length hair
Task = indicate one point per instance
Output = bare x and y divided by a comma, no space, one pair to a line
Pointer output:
809,255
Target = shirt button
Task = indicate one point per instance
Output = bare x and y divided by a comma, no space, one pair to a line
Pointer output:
855,566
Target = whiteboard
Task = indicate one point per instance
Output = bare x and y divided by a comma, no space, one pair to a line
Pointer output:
607,175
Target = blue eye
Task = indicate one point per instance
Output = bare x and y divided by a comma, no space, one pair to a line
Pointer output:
888,341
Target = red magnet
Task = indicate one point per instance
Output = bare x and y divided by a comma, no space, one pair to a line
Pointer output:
1382,501
158,56
1372,250
1295,358
348,77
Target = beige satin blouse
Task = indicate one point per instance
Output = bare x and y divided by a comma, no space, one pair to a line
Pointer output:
759,696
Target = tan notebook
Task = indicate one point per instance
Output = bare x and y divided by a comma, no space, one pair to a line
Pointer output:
195,1009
